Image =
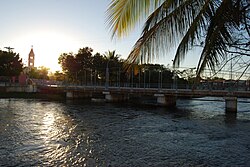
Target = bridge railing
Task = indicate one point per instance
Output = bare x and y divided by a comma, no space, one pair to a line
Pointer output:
204,85
209,87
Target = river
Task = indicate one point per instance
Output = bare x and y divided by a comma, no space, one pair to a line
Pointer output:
50,133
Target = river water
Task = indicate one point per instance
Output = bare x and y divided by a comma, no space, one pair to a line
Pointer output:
196,133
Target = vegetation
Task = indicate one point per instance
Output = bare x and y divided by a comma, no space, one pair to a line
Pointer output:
218,28
10,64
39,73
84,66
57,76
87,69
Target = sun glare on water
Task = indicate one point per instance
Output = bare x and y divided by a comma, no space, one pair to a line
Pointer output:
47,46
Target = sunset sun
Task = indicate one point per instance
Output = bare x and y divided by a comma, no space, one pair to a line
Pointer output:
47,46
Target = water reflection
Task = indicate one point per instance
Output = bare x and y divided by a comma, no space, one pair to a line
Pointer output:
230,118
40,133
61,140
48,128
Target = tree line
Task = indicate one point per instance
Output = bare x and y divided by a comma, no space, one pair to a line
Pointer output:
86,68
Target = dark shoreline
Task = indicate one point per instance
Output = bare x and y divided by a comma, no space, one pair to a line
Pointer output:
57,97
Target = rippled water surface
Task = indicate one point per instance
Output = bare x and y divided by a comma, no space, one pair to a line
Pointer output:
196,133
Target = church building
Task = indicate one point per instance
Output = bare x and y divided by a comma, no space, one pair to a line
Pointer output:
31,64
31,60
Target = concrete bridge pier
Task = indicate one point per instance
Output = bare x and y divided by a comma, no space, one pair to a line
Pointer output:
163,100
70,95
76,95
115,97
231,104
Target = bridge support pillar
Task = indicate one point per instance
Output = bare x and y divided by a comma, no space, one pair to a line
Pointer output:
231,104
77,95
70,95
108,96
115,97
169,101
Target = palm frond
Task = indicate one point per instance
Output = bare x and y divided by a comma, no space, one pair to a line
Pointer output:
193,34
219,35
122,15
181,23
162,30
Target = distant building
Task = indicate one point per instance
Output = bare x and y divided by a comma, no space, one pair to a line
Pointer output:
31,60
22,79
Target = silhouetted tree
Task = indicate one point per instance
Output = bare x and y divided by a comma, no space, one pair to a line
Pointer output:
86,68
69,65
10,64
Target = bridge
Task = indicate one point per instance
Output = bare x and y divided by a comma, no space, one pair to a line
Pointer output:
154,84
160,96
165,91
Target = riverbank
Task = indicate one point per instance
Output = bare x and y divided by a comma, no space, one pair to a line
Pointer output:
33,95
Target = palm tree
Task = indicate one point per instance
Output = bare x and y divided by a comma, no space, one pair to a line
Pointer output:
219,27
109,56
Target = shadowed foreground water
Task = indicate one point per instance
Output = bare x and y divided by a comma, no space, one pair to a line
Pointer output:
198,133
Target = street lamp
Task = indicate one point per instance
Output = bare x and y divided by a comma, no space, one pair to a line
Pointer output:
91,77
143,71
107,76
119,77
95,78
174,80
174,77
149,78
160,80
132,77
139,78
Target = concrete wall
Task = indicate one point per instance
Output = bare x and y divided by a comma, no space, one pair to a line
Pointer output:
28,88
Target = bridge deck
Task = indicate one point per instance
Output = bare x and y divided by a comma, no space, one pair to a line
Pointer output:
150,91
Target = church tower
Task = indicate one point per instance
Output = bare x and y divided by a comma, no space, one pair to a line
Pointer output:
31,60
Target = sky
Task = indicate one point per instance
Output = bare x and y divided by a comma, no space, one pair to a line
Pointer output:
54,27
